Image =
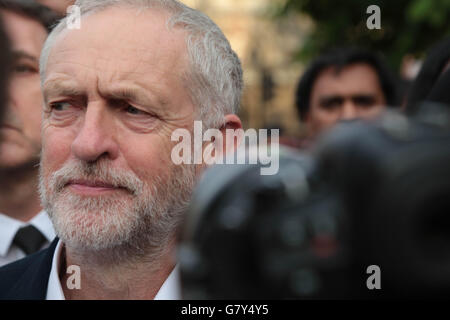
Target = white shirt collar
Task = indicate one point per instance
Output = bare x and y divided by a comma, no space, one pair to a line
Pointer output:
43,223
170,290
54,289
9,227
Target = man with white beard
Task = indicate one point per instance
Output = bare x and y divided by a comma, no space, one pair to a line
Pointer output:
114,91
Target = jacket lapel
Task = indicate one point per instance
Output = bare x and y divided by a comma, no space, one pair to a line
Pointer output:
33,283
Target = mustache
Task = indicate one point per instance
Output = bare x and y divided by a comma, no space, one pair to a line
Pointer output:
98,172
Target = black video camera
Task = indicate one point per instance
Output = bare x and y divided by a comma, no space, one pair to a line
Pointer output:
366,215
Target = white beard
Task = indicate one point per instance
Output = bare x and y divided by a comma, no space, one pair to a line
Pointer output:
139,220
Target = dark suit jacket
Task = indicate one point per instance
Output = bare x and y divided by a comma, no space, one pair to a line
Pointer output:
27,279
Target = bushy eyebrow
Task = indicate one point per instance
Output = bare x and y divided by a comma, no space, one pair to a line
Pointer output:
135,94
128,93
20,54
60,88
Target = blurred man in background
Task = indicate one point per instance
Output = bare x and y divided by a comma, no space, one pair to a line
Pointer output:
343,84
4,69
24,227
59,6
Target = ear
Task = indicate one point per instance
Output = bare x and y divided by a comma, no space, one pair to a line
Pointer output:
217,144
232,122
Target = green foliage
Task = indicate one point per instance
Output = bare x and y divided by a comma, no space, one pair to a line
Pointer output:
407,26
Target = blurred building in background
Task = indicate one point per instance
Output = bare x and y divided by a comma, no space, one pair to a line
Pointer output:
266,47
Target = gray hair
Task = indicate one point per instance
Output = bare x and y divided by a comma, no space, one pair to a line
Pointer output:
214,78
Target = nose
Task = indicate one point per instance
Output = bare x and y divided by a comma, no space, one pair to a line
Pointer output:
96,137
348,111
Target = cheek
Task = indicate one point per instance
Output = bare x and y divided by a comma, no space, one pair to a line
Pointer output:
324,118
27,93
33,124
372,112
29,106
149,156
56,146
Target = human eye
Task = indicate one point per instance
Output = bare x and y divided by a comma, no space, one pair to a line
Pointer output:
62,112
60,106
139,119
23,69
138,113
133,110
331,103
364,101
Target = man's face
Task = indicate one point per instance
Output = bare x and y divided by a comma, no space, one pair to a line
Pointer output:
20,130
354,92
113,95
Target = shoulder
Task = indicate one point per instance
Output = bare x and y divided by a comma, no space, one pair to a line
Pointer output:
27,278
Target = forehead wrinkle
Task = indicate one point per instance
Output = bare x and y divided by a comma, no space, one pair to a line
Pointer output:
140,61
133,31
98,63
108,84
131,90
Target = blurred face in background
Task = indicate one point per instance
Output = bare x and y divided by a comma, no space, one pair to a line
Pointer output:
58,6
353,92
4,68
20,129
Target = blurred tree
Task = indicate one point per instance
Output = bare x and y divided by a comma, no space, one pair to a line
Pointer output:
407,26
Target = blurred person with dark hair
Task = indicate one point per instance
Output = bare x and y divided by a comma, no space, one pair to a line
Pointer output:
4,69
435,64
24,226
59,6
344,84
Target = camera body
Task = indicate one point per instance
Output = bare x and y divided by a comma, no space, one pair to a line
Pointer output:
369,197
